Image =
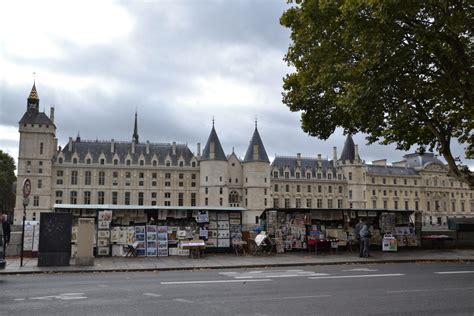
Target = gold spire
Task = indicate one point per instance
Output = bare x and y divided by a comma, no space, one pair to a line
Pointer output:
33,93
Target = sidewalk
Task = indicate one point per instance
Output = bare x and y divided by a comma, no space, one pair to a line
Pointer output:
230,261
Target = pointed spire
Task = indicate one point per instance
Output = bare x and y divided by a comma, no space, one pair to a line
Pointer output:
78,137
348,152
256,151
213,149
135,129
33,94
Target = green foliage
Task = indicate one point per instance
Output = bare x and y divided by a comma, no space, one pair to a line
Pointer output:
399,71
7,178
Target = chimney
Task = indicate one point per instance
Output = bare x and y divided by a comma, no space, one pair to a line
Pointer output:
199,150
334,152
112,146
147,148
356,152
319,161
51,114
133,147
70,144
298,155
174,148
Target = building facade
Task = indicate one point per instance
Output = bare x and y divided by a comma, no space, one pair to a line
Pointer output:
145,174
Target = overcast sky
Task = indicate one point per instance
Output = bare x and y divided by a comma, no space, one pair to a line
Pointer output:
178,63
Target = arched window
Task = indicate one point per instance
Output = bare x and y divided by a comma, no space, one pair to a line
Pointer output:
234,198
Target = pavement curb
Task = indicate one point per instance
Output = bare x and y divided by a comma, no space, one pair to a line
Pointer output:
245,266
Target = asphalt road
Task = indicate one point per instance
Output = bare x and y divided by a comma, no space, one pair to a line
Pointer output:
372,289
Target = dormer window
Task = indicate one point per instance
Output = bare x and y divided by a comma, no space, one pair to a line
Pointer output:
102,161
275,174
60,160
154,163
168,163
74,160
88,161
181,164
142,162
115,161
193,164
128,162
287,175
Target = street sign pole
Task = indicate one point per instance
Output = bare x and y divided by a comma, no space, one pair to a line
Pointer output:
26,194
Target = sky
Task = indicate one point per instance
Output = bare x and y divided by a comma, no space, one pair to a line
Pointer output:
178,63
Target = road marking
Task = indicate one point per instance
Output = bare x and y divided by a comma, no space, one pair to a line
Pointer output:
213,281
64,296
19,299
152,294
182,300
360,269
356,276
271,274
259,299
433,290
454,272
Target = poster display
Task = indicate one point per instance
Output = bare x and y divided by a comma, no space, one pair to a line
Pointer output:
162,241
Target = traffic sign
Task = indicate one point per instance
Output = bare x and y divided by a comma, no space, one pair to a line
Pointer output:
26,188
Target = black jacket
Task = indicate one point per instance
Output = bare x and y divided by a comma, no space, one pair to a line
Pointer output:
6,231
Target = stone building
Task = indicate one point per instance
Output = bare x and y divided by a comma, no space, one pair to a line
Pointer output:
136,174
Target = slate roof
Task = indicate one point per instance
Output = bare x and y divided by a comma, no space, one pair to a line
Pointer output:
122,149
262,154
418,160
348,152
34,117
305,163
219,152
390,170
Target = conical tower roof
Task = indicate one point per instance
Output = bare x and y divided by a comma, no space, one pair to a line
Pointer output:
256,151
213,146
135,130
348,152
33,93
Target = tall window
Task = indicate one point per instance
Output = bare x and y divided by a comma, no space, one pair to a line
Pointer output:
180,199
74,178
193,199
87,178
276,203
287,203
36,200
101,178
308,203
114,198
127,198
40,184
41,148
319,203
87,197
100,197
140,198
339,203
73,197
329,203
298,203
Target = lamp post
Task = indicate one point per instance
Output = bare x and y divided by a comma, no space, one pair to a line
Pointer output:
26,201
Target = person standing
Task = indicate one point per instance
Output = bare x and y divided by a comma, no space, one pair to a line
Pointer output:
364,240
357,234
6,233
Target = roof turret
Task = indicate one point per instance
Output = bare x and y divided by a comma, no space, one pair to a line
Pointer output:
213,149
256,151
348,152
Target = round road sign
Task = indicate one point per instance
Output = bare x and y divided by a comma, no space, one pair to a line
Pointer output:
26,188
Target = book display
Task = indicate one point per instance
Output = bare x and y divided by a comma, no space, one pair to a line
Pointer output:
151,241
104,219
162,241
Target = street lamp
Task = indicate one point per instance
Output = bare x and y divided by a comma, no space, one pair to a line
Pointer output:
26,201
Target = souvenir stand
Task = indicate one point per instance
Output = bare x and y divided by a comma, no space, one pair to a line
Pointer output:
159,232
331,228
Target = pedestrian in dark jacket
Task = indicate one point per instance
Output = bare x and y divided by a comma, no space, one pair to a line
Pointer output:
364,241
357,234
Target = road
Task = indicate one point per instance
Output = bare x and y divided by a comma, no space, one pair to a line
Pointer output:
371,289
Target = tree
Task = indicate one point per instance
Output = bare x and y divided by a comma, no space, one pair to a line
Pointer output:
399,71
7,178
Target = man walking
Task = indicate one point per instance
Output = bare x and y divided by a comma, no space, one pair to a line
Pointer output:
6,233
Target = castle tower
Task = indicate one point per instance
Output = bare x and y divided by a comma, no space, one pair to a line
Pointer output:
37,147
213,189
354,173
256,182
